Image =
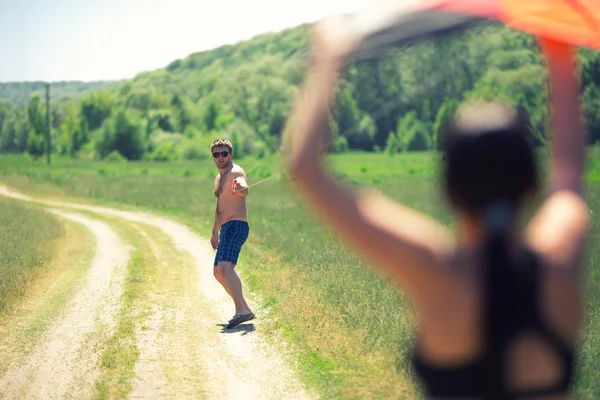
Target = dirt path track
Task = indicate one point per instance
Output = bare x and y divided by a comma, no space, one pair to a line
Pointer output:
239,364
65,355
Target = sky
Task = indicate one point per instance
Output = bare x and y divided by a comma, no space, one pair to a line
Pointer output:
53,40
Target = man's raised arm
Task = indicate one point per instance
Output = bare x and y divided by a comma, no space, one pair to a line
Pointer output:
239,185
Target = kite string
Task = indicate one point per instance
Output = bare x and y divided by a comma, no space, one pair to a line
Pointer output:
266,179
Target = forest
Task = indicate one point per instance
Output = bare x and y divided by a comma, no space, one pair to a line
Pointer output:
19,93
244,92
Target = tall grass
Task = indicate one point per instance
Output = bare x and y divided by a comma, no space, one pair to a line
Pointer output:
351,327
28,238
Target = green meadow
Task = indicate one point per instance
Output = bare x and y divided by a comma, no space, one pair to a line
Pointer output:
351,328
29,239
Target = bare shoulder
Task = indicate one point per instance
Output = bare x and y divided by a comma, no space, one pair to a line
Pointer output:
238,170
559,229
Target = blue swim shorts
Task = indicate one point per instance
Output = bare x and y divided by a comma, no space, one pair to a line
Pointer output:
232,237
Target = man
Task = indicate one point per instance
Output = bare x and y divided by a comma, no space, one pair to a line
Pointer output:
230,229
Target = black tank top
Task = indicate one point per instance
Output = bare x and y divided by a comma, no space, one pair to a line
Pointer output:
512,307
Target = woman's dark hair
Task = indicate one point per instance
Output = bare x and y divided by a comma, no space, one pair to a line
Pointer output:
489,169
489,158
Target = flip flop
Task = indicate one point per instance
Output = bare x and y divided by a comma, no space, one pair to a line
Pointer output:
238,319
236,316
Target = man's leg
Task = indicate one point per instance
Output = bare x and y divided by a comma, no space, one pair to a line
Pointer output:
225,274
218,273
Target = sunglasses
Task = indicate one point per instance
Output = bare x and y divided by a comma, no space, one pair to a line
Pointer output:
220,153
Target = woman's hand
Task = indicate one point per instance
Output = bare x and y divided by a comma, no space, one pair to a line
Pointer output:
334,39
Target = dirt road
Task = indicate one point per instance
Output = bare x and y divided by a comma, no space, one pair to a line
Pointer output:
184,351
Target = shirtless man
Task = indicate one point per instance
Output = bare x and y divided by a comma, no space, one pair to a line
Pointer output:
230,229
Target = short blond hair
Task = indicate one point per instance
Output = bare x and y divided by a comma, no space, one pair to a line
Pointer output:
221,142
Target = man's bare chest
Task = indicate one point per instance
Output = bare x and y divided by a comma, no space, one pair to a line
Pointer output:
221,184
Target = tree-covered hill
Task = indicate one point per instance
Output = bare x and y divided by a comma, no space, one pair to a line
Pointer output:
244,92
19,92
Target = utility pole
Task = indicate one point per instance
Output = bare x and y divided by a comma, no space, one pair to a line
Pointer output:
48,140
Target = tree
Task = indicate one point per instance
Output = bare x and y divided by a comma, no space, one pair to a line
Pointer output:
36,140
591,107
8,138
181,112
5,111
96,108
356,126
210,115
122,133
524,88
139,100
392,145
412,133
7,134
127,136
74,132
418,138
442,119
162,119
248,88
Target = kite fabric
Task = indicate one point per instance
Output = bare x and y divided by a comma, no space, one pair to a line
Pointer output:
573,21
399,22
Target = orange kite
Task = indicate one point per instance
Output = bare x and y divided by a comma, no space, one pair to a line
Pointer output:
400,21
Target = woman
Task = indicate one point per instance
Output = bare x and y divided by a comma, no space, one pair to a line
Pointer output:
498,309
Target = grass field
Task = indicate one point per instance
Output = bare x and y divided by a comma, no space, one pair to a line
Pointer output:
351,327
29,239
